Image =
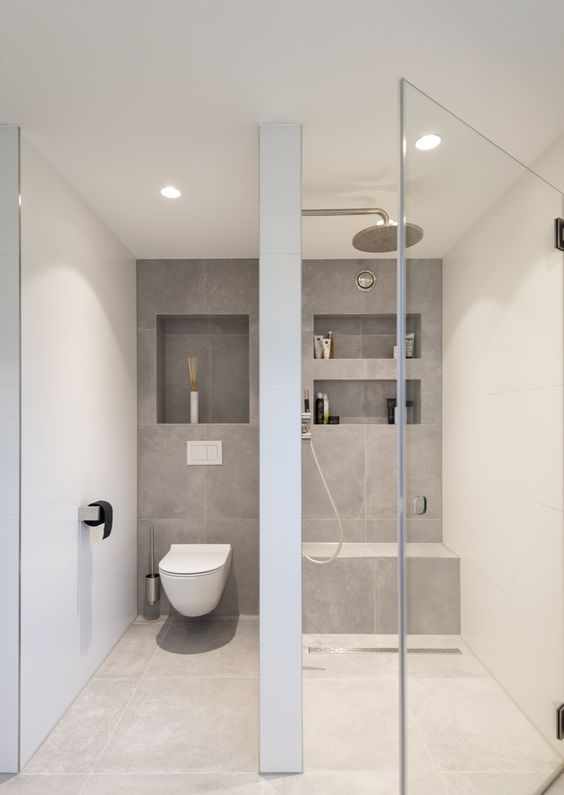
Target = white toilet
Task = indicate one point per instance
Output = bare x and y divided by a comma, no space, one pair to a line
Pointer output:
194,576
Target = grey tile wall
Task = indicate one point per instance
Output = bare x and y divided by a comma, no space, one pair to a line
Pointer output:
200,504
360,460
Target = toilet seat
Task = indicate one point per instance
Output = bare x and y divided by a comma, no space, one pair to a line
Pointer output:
193,560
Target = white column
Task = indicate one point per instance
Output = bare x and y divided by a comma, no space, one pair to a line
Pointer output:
9,447
280,449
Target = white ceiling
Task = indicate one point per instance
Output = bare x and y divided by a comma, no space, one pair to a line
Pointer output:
125,96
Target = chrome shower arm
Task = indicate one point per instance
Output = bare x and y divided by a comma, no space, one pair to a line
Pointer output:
350,211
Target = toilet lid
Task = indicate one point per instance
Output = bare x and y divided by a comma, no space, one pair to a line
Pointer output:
195,558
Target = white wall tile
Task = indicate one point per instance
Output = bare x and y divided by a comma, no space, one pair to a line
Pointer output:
280,318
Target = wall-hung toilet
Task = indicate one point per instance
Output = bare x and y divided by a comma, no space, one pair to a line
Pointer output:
194,576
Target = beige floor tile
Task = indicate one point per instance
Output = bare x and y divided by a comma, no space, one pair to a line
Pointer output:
79,737
470,724
209,647
501,783
174,784
184,725
132,652
42,785
353,725
361,782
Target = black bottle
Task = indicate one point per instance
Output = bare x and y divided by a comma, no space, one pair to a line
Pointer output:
319,409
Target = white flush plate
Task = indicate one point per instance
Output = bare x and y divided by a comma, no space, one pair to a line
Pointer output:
204,453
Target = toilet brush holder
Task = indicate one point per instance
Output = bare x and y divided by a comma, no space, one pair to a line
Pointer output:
152,588
152,580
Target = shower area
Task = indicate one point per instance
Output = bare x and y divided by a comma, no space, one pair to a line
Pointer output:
433,560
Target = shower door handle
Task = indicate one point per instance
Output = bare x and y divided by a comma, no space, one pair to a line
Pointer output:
420,505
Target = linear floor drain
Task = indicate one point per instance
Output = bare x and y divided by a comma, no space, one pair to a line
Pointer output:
376,650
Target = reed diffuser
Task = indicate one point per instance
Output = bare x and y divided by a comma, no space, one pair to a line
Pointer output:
193,373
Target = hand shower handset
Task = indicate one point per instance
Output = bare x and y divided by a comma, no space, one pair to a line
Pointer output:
306,437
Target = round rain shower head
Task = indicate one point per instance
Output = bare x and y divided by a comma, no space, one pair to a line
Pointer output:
384,237
375,239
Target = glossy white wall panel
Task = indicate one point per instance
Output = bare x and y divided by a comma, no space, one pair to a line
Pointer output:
78,442
280,318
503,441
9,446
280,208
280,449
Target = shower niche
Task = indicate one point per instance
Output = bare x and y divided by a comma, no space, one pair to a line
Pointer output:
365,402
366,336
220,343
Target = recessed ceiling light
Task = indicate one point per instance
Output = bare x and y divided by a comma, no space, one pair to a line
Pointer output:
170,192
429,141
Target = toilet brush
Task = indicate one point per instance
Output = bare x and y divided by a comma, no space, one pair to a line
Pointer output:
152,580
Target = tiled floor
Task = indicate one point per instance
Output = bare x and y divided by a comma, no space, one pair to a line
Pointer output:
174,709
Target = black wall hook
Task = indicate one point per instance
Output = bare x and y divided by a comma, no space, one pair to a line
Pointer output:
106,517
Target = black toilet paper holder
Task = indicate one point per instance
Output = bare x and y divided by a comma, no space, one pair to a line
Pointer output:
97,513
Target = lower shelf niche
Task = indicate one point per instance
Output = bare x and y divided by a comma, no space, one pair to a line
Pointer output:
366,402
220,343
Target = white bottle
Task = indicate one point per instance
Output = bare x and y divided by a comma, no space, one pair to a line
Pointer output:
325,409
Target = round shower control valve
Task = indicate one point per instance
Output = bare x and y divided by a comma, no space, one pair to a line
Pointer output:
365,280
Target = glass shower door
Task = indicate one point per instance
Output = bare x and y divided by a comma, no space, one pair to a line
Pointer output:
480,402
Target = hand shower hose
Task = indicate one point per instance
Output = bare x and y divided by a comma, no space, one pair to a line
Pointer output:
334,556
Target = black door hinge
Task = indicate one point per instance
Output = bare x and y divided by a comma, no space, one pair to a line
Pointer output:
560,722
559,233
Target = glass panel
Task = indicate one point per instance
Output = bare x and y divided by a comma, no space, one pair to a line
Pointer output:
483,489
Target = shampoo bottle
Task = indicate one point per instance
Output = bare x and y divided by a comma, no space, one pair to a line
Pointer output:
319,409
325,410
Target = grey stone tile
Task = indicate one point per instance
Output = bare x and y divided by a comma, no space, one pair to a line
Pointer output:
229,378
375,395
424,285
419,529
167,486
42,784
168,287
340,325
328,287
382,298
183,530
340,450
232,489
132,652
231,286
79,737
424,467
241,594
328,530
381,472
174,784
146,377
381,530
433,596
338,597
207,647
378,346
173,725
347,346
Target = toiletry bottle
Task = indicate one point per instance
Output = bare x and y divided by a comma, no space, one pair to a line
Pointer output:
319,409
325,410
326,348
331,345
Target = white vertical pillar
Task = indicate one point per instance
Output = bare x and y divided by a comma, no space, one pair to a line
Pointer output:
280,449
9,447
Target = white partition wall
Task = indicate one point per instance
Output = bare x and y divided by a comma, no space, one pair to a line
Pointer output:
280,449
9,446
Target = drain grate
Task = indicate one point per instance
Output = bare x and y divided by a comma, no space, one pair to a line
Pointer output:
376,650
